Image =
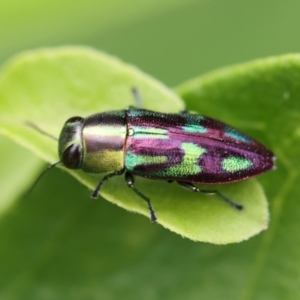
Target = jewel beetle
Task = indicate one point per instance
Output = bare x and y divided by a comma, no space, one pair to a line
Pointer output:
185,148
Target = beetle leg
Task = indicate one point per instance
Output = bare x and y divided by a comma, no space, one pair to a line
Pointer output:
130,182
190,187
95,193
137,97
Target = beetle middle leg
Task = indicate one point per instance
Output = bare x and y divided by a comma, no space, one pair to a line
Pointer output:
137,97
190,187
130,182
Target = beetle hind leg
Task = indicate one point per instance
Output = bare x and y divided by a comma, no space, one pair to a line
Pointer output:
190,187
130,182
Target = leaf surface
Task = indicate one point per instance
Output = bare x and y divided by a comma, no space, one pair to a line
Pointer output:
47,87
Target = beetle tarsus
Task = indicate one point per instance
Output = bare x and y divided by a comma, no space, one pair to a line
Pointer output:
190,187
227,200
130,182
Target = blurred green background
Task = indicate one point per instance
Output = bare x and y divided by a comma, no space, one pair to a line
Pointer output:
83,252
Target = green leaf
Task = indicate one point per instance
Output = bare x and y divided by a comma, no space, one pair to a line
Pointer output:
17,166
263,99
47,87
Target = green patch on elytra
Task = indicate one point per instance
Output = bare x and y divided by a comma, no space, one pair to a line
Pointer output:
236,135
132,160
234,163
189,164
149,132
194,128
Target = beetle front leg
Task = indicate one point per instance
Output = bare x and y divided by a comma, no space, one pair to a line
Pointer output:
130,182
190,187
95,193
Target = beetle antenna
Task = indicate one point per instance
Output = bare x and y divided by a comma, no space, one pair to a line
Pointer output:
32,125
41,175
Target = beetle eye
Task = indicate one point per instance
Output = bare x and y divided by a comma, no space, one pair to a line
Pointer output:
74,119
71,156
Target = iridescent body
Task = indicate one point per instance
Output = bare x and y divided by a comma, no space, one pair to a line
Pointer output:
183,147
